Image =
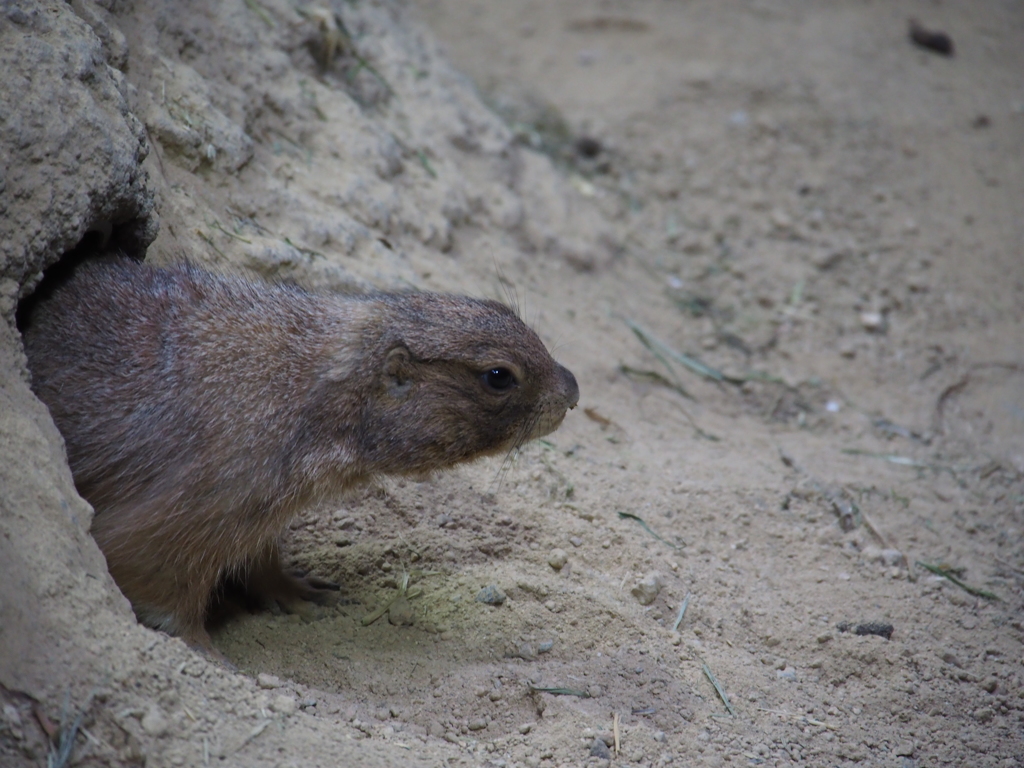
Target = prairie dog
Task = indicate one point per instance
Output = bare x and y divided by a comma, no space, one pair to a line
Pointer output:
201,412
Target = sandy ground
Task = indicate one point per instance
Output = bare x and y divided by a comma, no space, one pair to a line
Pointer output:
781,248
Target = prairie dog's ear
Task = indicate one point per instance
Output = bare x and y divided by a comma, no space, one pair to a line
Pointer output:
398,371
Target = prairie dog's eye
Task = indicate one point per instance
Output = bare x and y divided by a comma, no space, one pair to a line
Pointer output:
499,379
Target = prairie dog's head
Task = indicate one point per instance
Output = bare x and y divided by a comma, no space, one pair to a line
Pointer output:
458,378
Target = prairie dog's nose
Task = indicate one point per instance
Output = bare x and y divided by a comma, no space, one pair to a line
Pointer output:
571,389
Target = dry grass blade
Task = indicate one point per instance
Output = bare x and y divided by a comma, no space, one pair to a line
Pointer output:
940,404
718,687
209,241
646,527
425,162
874,529
696,427
561,692
260,11
892,458
947,573
889,428
403,591
653,347
657,378
372,617
682,612
593,415
664,353
60,752
801,719
220,228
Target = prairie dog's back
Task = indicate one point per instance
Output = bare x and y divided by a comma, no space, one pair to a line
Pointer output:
158,378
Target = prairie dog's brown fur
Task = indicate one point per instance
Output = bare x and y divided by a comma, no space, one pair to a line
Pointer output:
201,412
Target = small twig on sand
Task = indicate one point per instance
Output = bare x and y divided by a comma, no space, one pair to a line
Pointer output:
875,530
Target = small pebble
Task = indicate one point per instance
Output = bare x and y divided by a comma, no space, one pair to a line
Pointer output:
786,674
401,613
557,559
930,39
826,260
154,723
490,595
525,728
477,725
647,589
739,118
588,147
879,628
890,558
599,749
918,284
526,652
284,705
872,321
893,558
576,541
12,715
546,646
263,680
905,749
780,219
